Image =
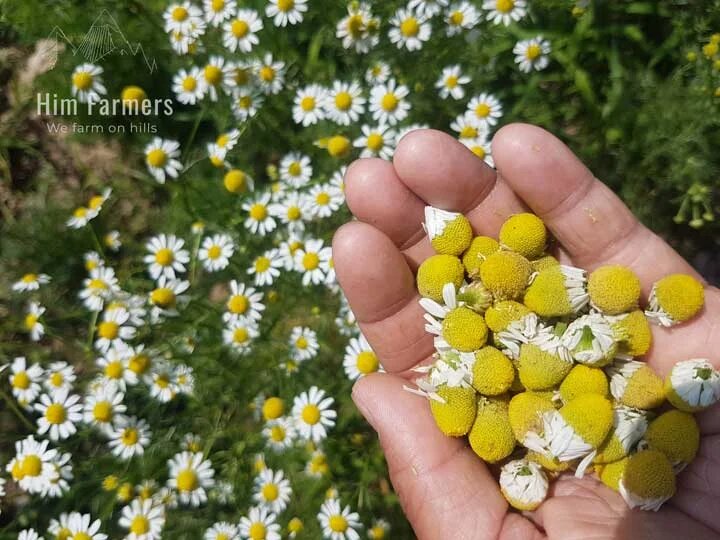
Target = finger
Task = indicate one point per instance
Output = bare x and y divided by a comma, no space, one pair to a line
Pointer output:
380,288
445,489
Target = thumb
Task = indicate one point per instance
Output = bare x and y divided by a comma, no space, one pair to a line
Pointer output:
445,490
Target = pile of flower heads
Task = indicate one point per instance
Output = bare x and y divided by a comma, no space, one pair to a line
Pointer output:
540,364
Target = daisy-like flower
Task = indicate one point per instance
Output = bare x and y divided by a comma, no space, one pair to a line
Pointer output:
244,303
270,74
216,155
246,103
272,490
241,75
184,379
261,524
166,256
80,217
188,86
59,414
378,73
182,43
359,29
161,159
295,169
344,102
266,267
409,29
183,17
162,382
58,483
486,108
92,260
58,376
143,519
461,16
213,76
87,84
532,54
228,140
284,12
591,339
360,360
112,241
287,250
103,408
32,321
313,415
99,287
293,211
240,333
114,330
29,534
240,32
25,380
33,465
60,527
451,81
134,304
379,530
693,385
387,102
222,530
219,11
114,367
259,220
30,282
338,523
308,105
129,437
376,141
216,251
324,199
505,11
191,476
309,259
524,484
428,8
280,433
192,443
481,147
317,466
81,526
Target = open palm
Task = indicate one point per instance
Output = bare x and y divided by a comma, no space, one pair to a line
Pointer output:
446,491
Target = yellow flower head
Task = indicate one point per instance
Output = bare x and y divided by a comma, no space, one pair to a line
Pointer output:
590,416
505,274
435,272
502,314
539,369
480,249
235,181
584,380
635,384
475,296
674,299
491,436
544,262
549,463
637,333
629,425
611,473
524,234
648,480
675,434
693,385
525,412
557,291
133,94
523,484
493,372
464,329
614,289
273,408
456,415
449,232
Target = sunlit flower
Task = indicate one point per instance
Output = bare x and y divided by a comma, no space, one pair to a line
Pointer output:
240,333
259,220
295,169
270,74
218,11
409,29
377,73
58,376
532,54
32,321
461,16
166,256
222,530
324,199
338,523
308,105
239,33
360,359
376,141
293,211
387,102
216,251
87,84
25,380
359,29
99,287
30,282
160,158
213,76
81,526
272,490
184,17
191,476
244,303
280,433
103,408
114,330
112,240
129,437
344,102
245,103
143,519
266,267
505,11
114,367
486,108
451,81
313,415
284,12
59,413
309,259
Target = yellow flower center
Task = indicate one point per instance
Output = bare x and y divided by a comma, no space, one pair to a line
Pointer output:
222,536
187,480
214,252
457,18
294,213
307,103
29,278
482,110
311,414
285,5
21,380
81,536
295,169
238,304
30,320
410,27
343,101
310,261
389,102
504,6
301,343
189,84
267,73
80,212
234,181
533,51
97,284
270,492
245,102
262,264
129,436
114,370
277,434
479,151
295,525
451,81
63,534
108,330
157,157
338,146
258,212
375,142
162,380
338,523
217,5
355,25
31,465
139,363
241,76
102,411
213,74
82,80
468,132
239,28
179,14
133,94
139,525
240,335
257,531
55,413
367,362
163,297
322,199
96,202
57,379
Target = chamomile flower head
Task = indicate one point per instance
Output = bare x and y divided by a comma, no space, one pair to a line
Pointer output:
272,490
475,296
29,534
216,155
532,54
240,333
259,524
273,408
313,414
635,384
100,286
293,210
460,17
614,289
377,141
87,84
280,433
190,475
360,359
492,372
693,385
284,12
629,425
525,234
92,260
246,102
270,73
410,29
259,219
114,370
102,408
33,466
303,343
450,233
237,181
58,376
182,43
461,328
243,303
114,330
83,527
80,217
523,484
129,437
167,295
675,299
60,526
387,102
324,200
526,411
636,332
647,480
677,435
338,523
505,274
344,102
543,363
486,108
505,11
469,128
112,241
308,105
435,272
428,8
240,31
59,412
451,82
218,11
143,519
378,73
480,248
584,379
216,251
557,291
295,169
214,76
161,159
30,282
182,17
222,530
491,436
358,29
592,340
25,380
266,267
32,323
309,261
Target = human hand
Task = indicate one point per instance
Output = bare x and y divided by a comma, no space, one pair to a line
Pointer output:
446,491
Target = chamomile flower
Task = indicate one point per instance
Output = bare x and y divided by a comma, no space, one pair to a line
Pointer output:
59,414
112,241
313,415
92,260
243,303
675,299
191,475
241,75
377,73
99,287
143,519
32,321
693,385
266,268
338,523
87,84
259,220
376,141
58,376
360,359
80,217
222,530
103,408
344,102
260,523
409,29
591,339
317,465
428,8
33,468
272,490
284,12
216,251
379,529
162,381
245,103
240,333
387,102
182,43
309,259
213,76
81,526
461,16
25,380
303,343
486,108
30,282
270,73
481,147
451,81
524,484
60,527
129,437
219,11
308,105
183,17
240,32
184,379
295,169
358,29
161,159
293,211
532,54
216,155
114,368
324,199
505,11
114,330
280,433
166,256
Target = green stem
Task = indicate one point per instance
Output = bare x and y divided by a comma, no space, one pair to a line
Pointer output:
91,329
13,406
96,240
194,259
193,132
